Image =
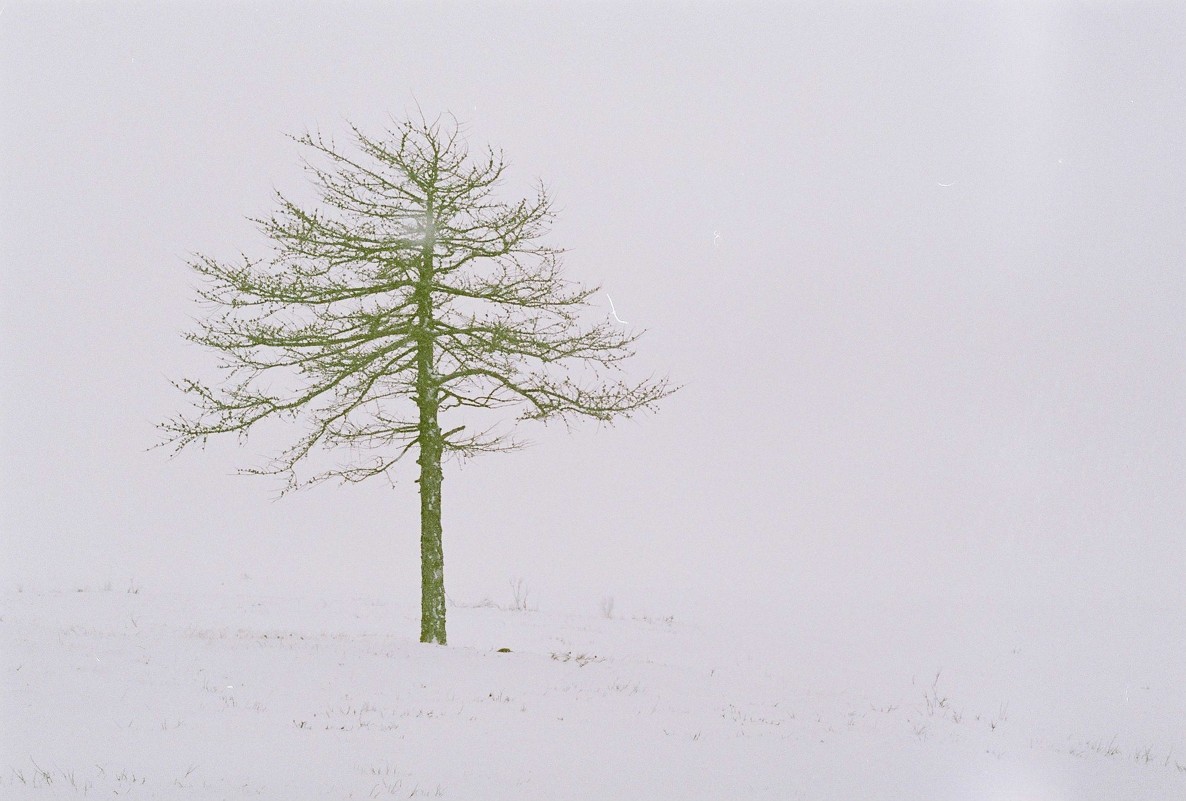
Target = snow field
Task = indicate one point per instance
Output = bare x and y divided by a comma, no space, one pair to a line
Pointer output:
130,694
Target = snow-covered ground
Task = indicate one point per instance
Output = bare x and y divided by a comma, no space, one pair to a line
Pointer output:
161,696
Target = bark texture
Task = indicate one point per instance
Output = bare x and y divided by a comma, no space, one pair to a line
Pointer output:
432,559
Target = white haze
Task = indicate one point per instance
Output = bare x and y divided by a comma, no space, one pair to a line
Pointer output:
918,267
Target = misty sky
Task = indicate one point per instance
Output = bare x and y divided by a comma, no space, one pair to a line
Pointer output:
920,269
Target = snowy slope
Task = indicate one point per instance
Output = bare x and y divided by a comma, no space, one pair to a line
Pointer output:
178,697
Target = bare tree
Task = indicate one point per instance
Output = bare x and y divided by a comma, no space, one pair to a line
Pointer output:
410,293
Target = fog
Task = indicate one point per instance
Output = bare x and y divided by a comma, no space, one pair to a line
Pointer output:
919,269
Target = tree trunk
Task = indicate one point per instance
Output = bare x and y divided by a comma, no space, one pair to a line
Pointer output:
432,559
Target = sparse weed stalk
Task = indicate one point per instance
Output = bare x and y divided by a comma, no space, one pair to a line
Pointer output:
46,777
1002,716
386,769
607,607
178,782
485,603
580,659
667,620
130,778
1111,749
387,788
935,703
519,595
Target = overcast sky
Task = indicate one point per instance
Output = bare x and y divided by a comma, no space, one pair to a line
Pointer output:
919,267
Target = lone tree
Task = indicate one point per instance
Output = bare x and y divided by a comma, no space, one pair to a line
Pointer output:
408,295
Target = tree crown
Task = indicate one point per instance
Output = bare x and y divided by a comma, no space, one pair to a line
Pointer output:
410,289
